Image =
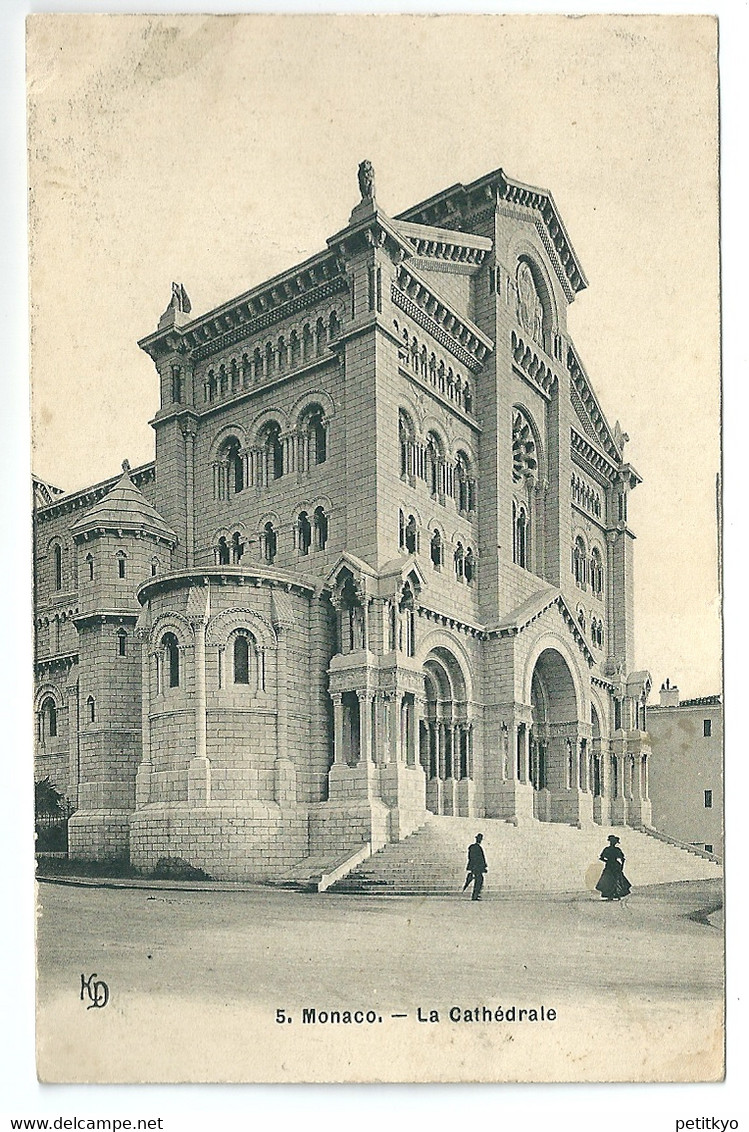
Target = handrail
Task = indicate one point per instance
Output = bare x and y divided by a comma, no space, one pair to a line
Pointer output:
665,837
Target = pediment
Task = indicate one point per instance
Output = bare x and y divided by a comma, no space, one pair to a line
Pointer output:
524,616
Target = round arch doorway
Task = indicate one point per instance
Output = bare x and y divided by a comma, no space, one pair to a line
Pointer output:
557,743
446,736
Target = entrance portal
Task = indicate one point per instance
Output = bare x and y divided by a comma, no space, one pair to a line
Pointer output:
445,738
560,753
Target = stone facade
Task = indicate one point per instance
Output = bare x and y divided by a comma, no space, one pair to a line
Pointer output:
686,769
381,565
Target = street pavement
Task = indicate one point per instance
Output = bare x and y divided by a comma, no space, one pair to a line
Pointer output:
195,980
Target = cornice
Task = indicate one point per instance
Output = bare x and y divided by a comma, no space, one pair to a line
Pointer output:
62,660
226,575
450,621
590,458
445,246
116,616
536,371
581,384
459,335
87,496
276,299
252,326
458,205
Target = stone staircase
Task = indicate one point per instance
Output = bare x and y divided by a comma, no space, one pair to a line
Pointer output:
537,857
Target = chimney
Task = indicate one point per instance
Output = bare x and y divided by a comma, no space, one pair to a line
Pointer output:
669,694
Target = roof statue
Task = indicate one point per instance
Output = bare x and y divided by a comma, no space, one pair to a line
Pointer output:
620,437
180,300
366,176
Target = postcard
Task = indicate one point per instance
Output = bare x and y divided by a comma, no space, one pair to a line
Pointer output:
377,548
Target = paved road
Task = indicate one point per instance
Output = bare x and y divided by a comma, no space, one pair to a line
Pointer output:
209,953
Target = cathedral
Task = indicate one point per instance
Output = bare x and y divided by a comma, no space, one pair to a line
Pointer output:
380,567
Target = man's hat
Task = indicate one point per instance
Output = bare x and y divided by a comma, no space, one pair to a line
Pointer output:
613,838
479,837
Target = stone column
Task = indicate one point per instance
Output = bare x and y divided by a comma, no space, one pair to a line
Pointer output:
199,770
74,742
419,708
188,432
365,725
339,757
509,754
143,774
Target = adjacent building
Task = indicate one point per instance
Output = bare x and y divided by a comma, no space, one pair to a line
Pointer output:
380,567
686,769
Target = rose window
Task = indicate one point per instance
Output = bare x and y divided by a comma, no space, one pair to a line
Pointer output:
524,455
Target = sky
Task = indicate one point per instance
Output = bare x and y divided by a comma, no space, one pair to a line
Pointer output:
219,151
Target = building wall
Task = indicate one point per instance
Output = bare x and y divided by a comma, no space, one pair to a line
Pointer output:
349,331
685,764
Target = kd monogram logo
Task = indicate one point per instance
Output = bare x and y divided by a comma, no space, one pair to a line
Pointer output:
97,991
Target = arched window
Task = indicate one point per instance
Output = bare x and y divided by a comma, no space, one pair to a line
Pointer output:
268,543
524,449
257,364
467,398
333,326
237,548
407,621
223,554
596,572
234,466
121,642
58,566
154,567
90,564
241,659
320,336
521,532
579,562
282,353
465,485
436,549
91,709
321,528
273,446
406,443
170,650
469,567
314,431
303,533
120,564
434,463
49,719
307,342
459,562
295,349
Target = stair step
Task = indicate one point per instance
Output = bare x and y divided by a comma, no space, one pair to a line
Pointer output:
546,857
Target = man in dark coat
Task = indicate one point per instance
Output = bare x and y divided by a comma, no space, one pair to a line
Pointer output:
476,867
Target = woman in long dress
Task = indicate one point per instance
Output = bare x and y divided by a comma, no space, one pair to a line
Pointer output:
613,884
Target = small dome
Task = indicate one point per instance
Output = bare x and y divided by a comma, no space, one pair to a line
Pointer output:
124,508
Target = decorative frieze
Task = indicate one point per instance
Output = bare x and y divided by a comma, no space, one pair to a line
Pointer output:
540,375
458,335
